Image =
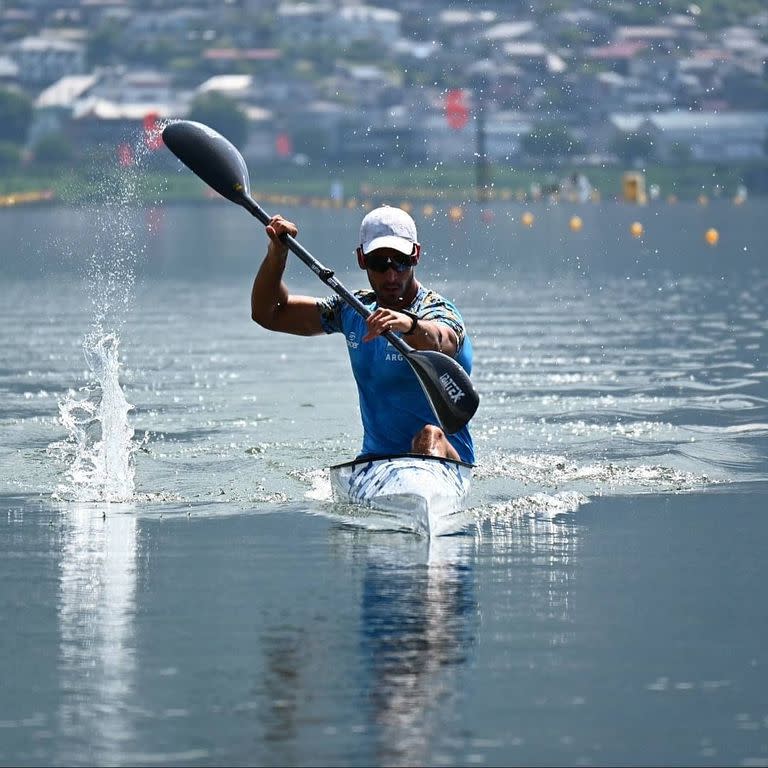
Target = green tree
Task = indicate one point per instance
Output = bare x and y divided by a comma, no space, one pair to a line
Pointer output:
222,114
312,141
632,146
551,140
105,44
54,149
16,109
680,154
10,156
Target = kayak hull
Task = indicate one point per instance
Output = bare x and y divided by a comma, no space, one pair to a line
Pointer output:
426,494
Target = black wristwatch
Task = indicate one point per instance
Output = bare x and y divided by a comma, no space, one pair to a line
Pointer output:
414,321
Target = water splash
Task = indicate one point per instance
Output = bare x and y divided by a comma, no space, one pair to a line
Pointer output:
595,478
99,449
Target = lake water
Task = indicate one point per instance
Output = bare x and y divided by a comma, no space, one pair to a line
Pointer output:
177,587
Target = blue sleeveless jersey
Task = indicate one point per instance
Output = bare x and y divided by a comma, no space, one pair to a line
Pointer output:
393,406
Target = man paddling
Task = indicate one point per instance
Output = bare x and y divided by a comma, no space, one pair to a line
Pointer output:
396,415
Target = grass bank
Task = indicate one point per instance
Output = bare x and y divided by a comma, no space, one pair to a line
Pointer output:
441,184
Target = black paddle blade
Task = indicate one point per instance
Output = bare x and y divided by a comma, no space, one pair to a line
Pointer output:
211,157
447,387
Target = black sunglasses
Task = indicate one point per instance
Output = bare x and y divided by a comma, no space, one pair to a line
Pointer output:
378,262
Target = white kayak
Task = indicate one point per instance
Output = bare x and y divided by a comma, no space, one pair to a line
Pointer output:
426,494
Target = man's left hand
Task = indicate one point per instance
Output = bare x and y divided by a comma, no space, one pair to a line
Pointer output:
383,320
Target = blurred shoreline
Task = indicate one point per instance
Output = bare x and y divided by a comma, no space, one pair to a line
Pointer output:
350,186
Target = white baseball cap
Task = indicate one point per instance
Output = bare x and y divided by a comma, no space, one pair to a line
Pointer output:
388,227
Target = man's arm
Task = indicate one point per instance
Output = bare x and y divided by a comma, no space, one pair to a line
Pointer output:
428,334
272,306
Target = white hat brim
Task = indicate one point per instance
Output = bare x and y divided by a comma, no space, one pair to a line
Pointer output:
389,241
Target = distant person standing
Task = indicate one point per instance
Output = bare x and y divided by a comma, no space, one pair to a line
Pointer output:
396,415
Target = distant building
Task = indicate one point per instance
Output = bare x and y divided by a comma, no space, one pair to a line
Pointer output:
106,106
54,105
710,136
622,58
461,28
236,87
579,23
304,22
381,146
42,60
9,71
658,39
322,22
364,22
180,25
508,31
225,60
700,136
532,56
504,133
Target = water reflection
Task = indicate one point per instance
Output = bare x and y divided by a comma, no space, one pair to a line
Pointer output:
283,670
97,606
418,625
546,545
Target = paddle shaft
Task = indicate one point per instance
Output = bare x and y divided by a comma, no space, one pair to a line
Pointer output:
325,274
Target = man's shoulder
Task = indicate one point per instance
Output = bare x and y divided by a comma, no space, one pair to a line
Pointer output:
365,295
428,299
336,313
430,305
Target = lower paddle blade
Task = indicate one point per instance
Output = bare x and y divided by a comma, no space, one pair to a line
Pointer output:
447,387
211,157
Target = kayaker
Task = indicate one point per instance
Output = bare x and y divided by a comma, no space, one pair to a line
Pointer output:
395,413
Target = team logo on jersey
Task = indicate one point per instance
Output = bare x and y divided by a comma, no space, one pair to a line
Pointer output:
392,353
352,340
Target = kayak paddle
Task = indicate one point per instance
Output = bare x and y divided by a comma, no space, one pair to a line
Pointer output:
219,164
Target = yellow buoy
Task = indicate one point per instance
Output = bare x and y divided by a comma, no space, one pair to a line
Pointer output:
702,199
527,219
636,230
712,236
576,223
406,206
456,213
428,210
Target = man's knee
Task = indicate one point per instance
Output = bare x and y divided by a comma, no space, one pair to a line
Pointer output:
431,441
430,433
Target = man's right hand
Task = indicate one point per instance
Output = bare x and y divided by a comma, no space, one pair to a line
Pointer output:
279,226
272,305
